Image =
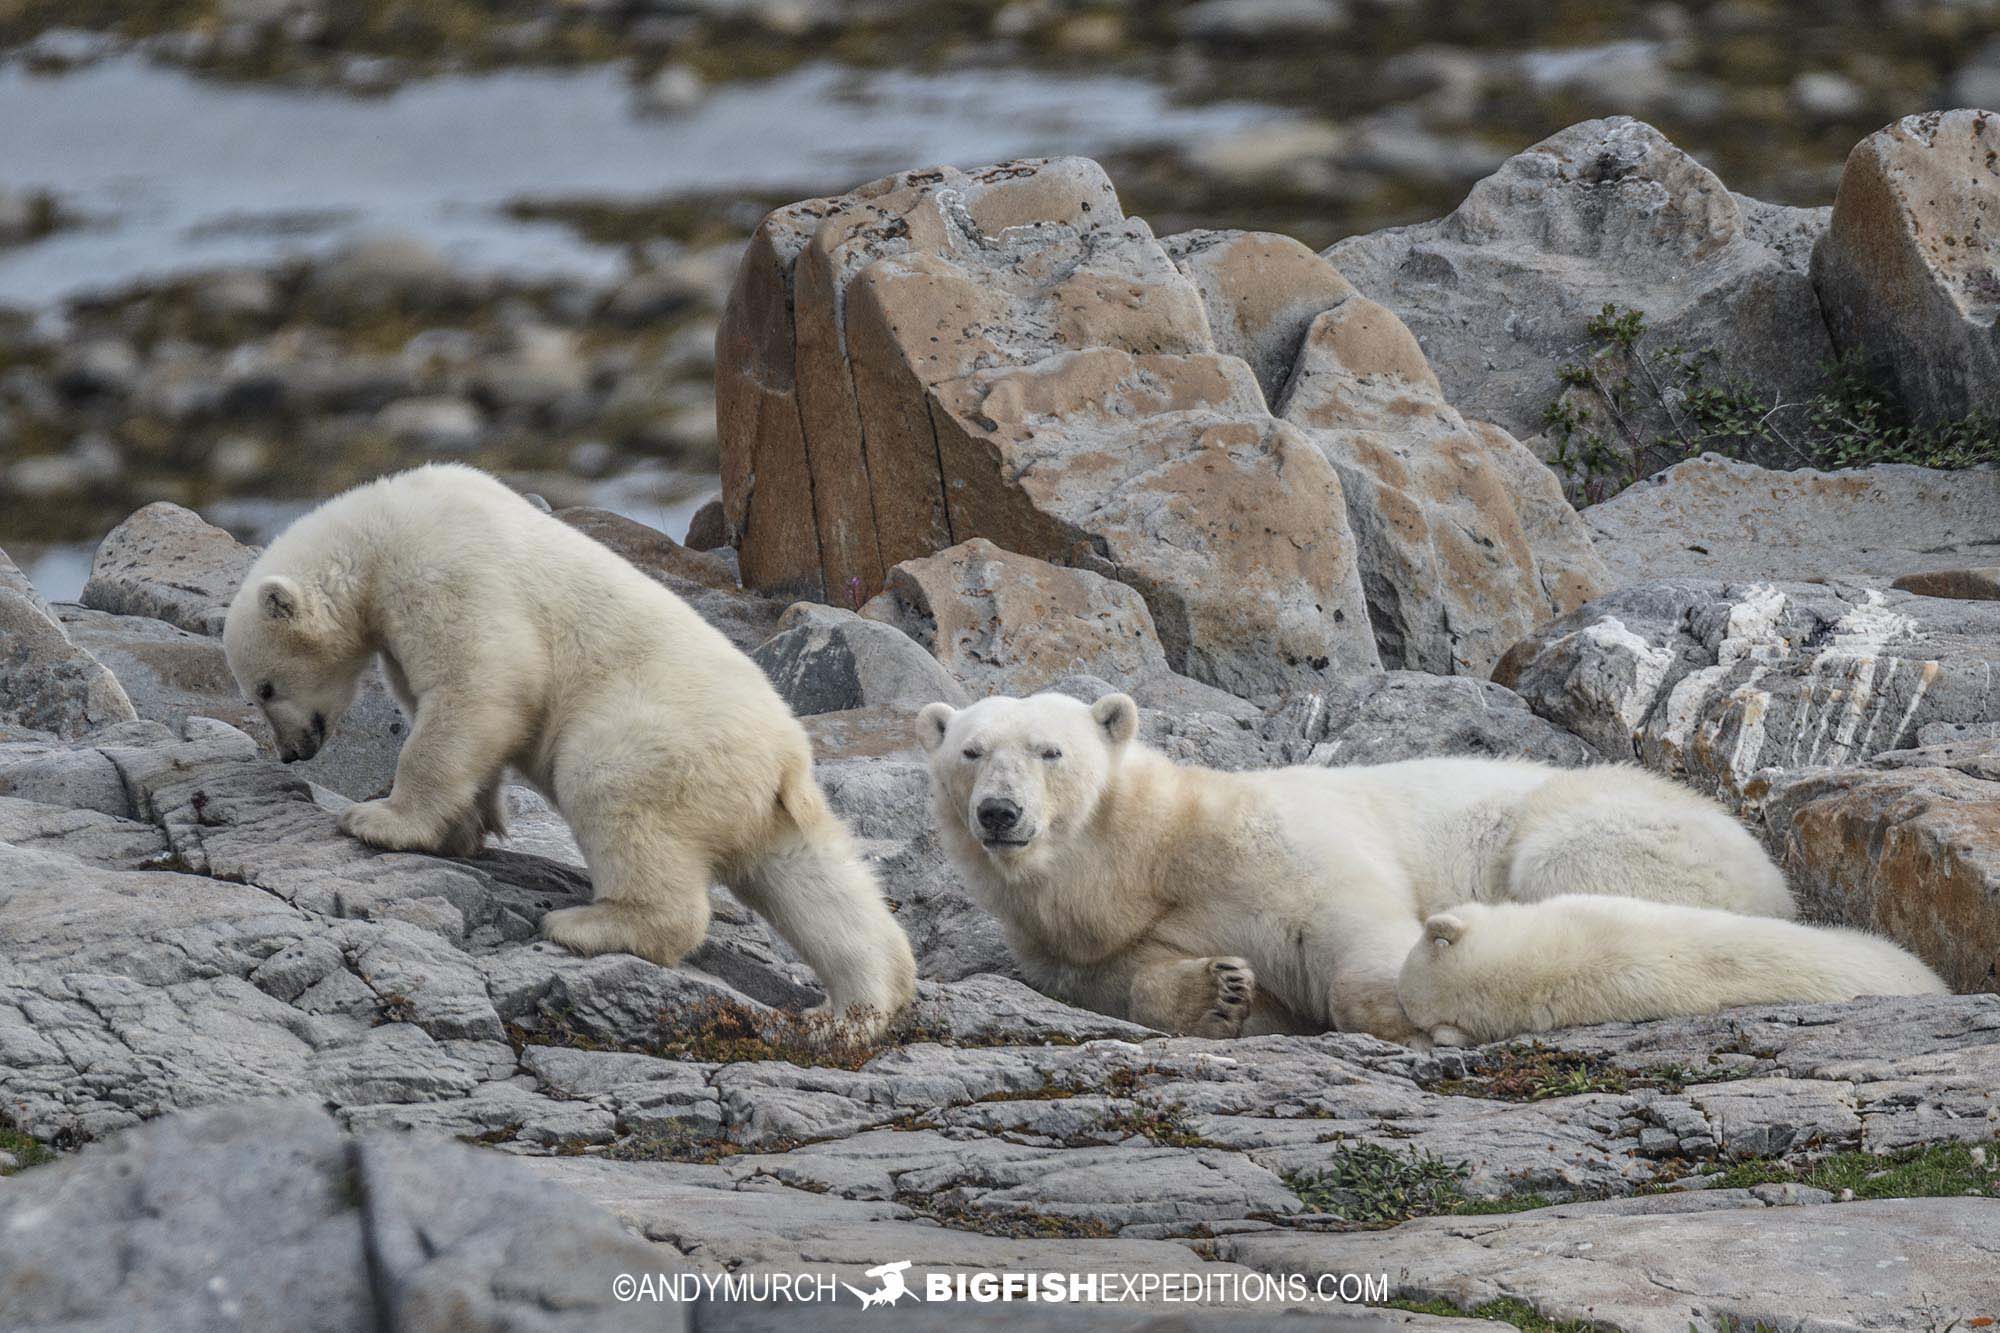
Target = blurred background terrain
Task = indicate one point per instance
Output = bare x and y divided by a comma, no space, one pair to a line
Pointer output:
254,251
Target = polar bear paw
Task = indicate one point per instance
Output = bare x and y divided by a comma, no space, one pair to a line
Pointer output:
1234,991
380,824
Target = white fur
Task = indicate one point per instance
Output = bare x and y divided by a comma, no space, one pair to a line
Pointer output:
512,640
1484,971
1138,876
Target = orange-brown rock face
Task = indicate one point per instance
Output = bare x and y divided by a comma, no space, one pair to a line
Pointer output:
941,356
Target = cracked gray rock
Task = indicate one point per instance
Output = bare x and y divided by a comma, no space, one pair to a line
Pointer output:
49,682
267,1216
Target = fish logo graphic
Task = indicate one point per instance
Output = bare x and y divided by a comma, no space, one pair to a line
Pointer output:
893,1287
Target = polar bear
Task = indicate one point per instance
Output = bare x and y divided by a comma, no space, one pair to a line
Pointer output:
1215,904
512,640
1486,971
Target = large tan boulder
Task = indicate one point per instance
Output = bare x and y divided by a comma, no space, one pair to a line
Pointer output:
1166,474
1003,623
1909,271
945,355
1002,354
1464,539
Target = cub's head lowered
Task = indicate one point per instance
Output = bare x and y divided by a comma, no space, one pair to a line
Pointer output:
294,658
1016,778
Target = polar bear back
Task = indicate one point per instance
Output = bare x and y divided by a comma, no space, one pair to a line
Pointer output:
455,574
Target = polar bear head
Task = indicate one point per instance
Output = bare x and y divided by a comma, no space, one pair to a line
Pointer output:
293,656
1446,987
1018,778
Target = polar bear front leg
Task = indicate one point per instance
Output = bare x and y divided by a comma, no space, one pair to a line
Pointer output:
456,752
1194,997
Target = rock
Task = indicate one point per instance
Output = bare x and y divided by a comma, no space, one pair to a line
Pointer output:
1007,624
1826,96
824,660
1464,539
101,368
385,272
1262,293
1716,681
708,530
942,355
1214,513
1607,211
1981,584
1261,20
171,675
427,1235
47,682
700,578
1663,1270
165,563
1409,715
672,90
1780,699
442,425
1906,270
1913,853
1712,517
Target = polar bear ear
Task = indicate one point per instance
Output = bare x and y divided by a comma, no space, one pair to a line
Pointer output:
1119,717
280,598
1444,930
931,724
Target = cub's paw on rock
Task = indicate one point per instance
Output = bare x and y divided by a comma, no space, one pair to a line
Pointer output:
380,824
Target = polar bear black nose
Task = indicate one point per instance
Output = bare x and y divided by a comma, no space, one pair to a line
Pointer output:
997,814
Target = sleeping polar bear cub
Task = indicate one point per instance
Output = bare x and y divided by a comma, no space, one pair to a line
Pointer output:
512,640
1484,972
1211,903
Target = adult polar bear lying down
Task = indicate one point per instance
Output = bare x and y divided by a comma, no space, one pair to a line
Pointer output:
512,640
1285,900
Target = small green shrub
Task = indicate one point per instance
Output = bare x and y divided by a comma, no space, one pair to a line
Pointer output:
1629,406
1373,1185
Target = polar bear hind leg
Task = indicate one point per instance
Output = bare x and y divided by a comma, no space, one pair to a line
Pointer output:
809,882
650,889
1626,833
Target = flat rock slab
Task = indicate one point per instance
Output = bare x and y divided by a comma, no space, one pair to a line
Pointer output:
1890,1263
1712,517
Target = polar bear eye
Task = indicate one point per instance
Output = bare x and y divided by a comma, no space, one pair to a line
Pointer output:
267,691
972,752
1052,754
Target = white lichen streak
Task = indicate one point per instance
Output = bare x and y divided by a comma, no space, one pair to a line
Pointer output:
1649,669
1841,685
1750,633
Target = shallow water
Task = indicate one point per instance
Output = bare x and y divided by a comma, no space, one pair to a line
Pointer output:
179,173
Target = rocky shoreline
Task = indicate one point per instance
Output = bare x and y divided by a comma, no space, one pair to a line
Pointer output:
983,431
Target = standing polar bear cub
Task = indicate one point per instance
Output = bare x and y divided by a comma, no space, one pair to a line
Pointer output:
512,640
1487,971
1212,903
